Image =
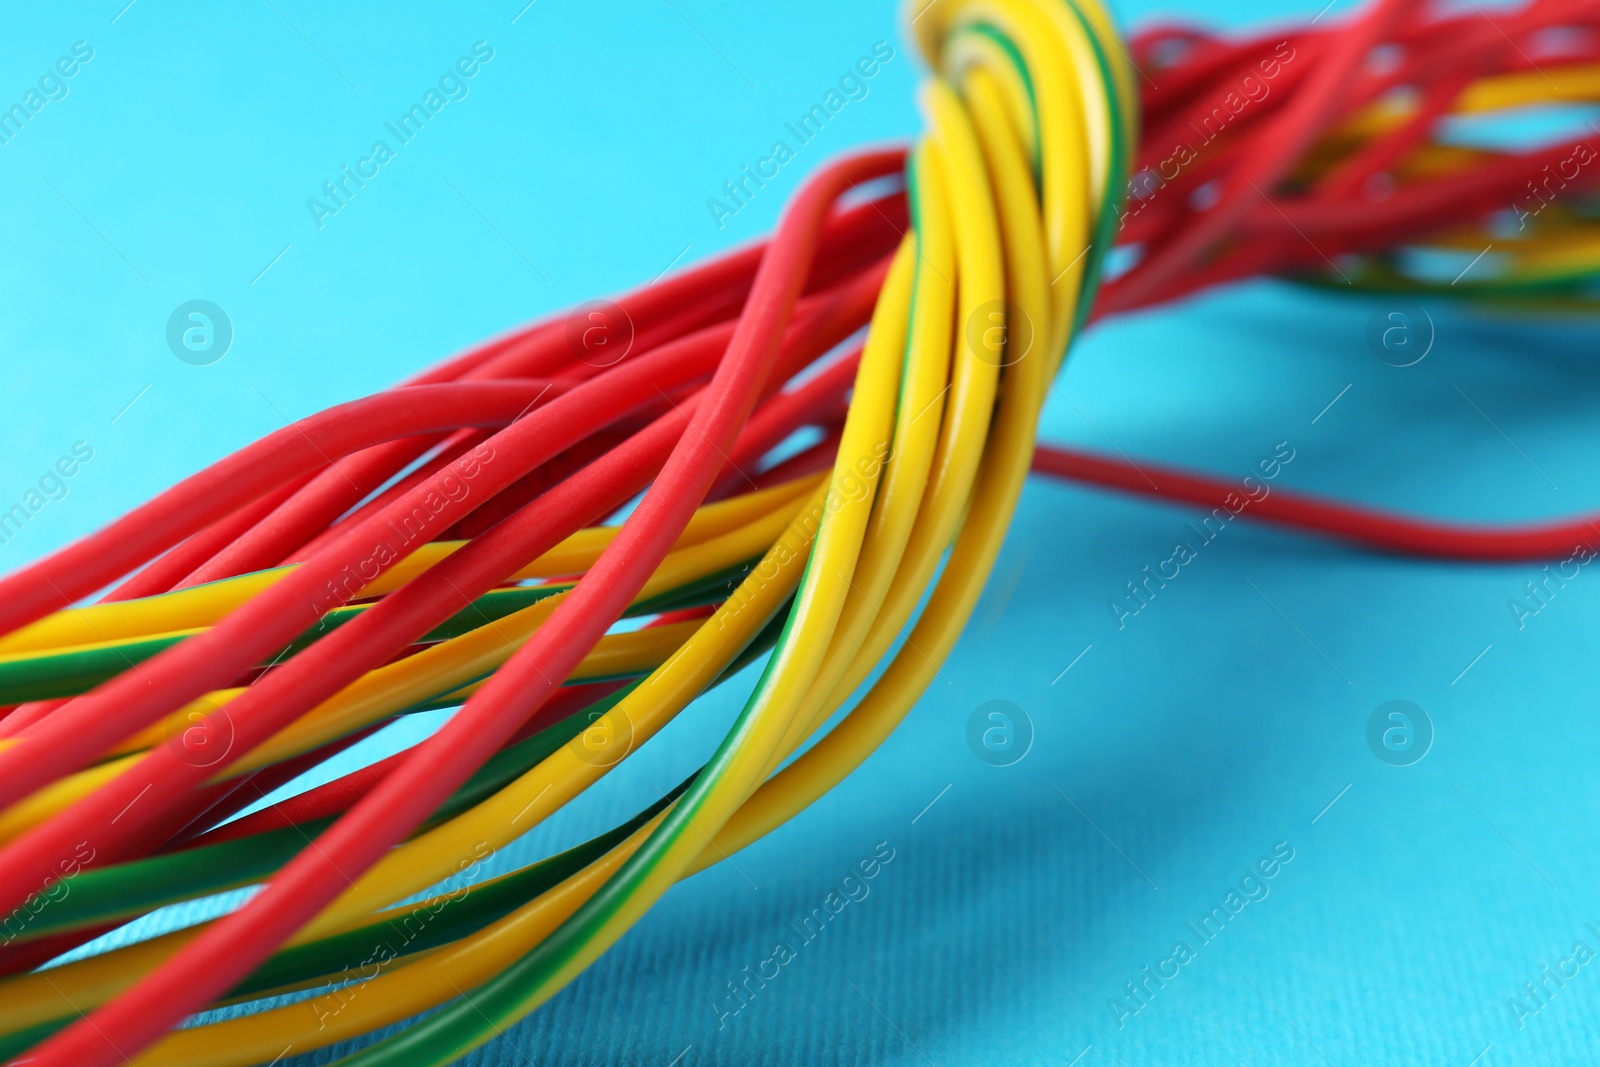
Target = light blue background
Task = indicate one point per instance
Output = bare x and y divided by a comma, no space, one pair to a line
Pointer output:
1222,720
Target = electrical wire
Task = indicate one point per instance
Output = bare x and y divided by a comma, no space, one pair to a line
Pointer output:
444,544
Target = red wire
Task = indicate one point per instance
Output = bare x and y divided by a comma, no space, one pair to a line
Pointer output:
822,394
167,572
212,804
819,457
345,483
437,458
196,502
1367,527
336,796
542,479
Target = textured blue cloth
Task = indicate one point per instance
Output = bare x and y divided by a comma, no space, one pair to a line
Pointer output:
1220,733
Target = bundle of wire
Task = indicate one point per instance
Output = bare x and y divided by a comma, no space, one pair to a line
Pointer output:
443,545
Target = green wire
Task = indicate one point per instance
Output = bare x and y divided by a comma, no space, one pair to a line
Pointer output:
1378,277
68,673
75,671
482,904
460,1025
426,925
127,890
1116,184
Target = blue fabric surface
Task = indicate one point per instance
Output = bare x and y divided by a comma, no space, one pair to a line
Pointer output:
1218,734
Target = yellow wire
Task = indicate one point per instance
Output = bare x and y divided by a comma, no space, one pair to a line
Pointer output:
205,605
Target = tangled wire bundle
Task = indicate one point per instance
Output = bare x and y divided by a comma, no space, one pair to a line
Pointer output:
442,544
